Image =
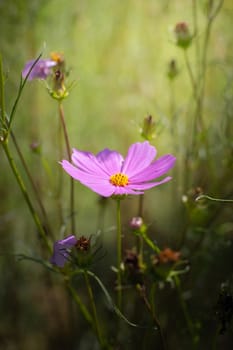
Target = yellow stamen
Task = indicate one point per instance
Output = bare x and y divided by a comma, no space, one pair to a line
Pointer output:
119,180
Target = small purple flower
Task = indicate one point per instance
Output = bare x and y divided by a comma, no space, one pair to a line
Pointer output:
108,173
41,69
61,250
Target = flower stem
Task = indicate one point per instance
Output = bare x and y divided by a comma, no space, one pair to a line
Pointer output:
119,255
2,97
82,307
35,189
92,301
185,311
25,195
68,150
154,317
139,238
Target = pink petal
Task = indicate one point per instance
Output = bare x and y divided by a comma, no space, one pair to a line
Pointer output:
81,175
146,186
126,190
87,162
104,190
140,156
111,161
155,170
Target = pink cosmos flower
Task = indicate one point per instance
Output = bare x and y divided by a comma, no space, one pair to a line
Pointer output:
108,173
41,69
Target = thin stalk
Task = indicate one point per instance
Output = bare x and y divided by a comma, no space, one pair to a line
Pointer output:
93,306
21,87
35,189
68,150
119,254
191,75
185,311
195,33
210,20
2,96
140,239
25,195
80,304
60,179
154,317
149,242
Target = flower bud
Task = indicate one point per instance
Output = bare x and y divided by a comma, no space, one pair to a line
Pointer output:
148,128
35,147
172,71
182,35
82,253
136,223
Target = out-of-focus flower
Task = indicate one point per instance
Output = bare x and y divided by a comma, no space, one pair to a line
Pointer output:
182,34
165,264
62,249
133,267
132,260
166,256
41,70
108,173
148,128
57,57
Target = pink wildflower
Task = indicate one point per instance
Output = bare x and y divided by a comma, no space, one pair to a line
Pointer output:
108,173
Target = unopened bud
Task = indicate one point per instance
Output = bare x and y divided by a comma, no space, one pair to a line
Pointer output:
35,147
148,128
136,223
172,71
182,35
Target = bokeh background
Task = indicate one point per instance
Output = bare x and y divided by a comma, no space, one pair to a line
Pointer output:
118,53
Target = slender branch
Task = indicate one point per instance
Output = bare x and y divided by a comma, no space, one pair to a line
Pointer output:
35,189
185,310
139,238
2,95
25,195
68,150
82,307
119,255
21,87
92,301
153,315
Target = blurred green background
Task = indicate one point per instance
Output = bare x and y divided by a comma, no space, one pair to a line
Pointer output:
118,53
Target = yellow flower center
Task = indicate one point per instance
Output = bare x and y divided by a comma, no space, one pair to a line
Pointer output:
119,180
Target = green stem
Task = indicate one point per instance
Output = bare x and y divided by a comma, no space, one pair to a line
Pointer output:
119,255
140,239
191,76
25,195
35,189
80,304
21,87
150,243
68,150
154,317
92,301
185,311
2,96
